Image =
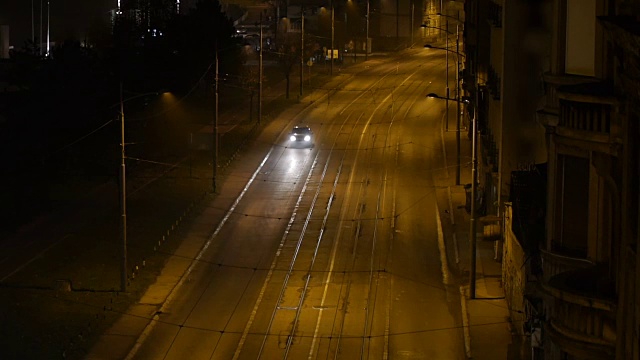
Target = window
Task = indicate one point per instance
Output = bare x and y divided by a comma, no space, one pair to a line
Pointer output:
580,39
572,206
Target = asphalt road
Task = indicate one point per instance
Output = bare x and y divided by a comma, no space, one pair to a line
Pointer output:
330,251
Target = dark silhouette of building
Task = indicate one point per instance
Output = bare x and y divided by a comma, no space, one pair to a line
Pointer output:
558,112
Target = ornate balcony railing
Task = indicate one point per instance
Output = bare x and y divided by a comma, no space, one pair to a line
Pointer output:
586,117
590,117
582,318
554,264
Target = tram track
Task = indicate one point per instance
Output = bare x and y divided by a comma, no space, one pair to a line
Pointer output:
315,243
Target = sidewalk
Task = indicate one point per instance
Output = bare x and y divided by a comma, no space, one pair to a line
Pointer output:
487,329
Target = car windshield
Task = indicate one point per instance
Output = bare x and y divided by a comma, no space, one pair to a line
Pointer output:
301,130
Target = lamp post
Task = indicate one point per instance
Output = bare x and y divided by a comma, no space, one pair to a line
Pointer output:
332,38
474,170
474,163
472,224
366,41
260,75
301,51
446,123
123,192
215,133
123,200
457,105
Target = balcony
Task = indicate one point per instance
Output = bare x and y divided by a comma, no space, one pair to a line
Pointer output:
552,82
586,118
554,264
582,316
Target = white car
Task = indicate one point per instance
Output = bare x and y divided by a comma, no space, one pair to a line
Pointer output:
301,134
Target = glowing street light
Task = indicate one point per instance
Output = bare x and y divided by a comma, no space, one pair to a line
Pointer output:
458,54
123,190
446,124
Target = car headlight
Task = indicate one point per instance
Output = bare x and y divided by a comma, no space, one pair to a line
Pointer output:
307,137
292,138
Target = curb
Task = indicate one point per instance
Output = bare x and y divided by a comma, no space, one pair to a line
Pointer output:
465,321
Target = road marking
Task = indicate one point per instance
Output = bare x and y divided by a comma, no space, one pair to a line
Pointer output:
254,311
442,250
147,330
465,322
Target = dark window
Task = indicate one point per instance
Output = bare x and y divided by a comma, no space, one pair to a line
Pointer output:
572,206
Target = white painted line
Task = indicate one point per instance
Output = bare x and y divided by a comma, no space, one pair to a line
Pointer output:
465,322
283,239
446,276
185,276
453,220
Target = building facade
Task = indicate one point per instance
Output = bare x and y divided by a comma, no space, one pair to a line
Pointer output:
558,111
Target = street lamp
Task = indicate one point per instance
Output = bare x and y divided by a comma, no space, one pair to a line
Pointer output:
260,74
366,41
301,50
446,124
457,102
123,191
215,132
332,38
474,171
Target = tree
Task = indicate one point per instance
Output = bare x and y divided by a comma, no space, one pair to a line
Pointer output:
197,37
288,51
250,80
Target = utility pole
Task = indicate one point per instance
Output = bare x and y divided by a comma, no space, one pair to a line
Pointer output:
446,56
33,31
48,17
366,41
301,53
458,104
474,163
215,132
472,227
397,23
123,200
411,28
332,34
40,39
260,75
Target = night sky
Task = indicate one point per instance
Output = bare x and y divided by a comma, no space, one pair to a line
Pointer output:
69,18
